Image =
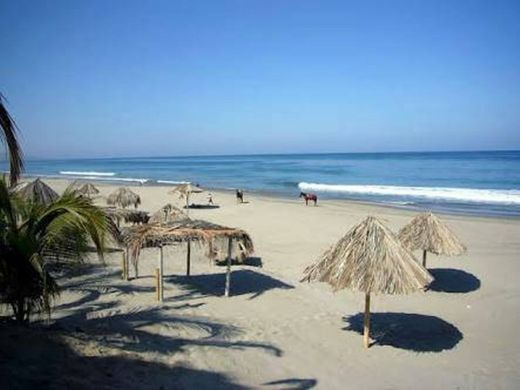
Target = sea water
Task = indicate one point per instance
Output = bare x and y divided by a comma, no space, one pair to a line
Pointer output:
470,182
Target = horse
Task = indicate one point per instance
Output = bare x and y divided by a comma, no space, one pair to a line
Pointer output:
309,196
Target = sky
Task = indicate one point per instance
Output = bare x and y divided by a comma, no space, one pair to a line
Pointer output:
164,78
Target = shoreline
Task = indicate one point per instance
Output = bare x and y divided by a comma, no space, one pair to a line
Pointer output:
281,197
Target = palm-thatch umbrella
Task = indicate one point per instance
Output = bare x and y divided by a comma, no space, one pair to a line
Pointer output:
124,197
168,214
427,233
187,230
370,259
87,189
186,190
37,191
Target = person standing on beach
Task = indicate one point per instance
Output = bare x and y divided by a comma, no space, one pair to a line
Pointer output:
210,198
240,196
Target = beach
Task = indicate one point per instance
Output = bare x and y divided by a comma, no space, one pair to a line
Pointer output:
275,332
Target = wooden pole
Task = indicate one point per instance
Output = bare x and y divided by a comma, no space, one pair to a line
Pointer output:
228,272
424,259
123,260
157,284
366,322
187,202
161,273
188,259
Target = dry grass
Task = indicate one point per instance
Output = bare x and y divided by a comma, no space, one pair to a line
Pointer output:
428,233
124,197
370,258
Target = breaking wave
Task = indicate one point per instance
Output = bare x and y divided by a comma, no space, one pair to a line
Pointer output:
87,173
511,197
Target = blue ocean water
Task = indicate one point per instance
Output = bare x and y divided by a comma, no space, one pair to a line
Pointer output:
472,182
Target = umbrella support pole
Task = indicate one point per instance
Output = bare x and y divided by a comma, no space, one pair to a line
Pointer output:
123,260
366,322
228,271
424,259
188,259
159,270
157,284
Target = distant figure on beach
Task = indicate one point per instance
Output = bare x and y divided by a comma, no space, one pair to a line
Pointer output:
210,198
240,196
309,196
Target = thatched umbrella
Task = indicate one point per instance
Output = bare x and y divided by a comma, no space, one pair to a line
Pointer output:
129,216
37,191
186,190
167,214
187,231
87,189
427,233
370,259
124,197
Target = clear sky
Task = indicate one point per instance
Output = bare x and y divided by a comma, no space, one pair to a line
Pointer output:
157,78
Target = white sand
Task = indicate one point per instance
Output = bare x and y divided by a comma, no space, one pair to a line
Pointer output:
275,328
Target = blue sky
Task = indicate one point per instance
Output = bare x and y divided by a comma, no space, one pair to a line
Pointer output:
122,78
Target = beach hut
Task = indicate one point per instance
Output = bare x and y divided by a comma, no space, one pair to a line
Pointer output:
37,191
124,197
238,243
167,214
427,233
87,189
370,259
185,190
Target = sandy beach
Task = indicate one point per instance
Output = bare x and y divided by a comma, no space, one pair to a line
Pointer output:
275,332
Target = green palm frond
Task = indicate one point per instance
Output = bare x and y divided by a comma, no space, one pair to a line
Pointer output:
9,136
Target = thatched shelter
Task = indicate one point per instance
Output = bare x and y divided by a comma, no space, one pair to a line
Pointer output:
126,215
427,233
370,259
185,190
238,242
167,214
37,191
124,197
87,189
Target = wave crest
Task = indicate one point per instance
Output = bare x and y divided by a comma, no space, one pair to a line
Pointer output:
87,173
444,193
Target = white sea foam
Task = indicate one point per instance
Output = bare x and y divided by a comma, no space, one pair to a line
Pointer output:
87,173
171,182
511,197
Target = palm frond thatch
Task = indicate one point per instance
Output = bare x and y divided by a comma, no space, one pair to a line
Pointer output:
124,197
87,189
37,191
186,189
428,233
370,258
168,214
153,235
9,136
126,215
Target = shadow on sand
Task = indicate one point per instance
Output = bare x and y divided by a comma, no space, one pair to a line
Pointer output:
203,206
415,332
292,384
40,358
453,281
242,282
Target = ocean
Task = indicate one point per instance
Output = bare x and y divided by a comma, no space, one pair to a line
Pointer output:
485,183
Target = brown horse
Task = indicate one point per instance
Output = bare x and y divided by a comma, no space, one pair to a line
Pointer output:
309,196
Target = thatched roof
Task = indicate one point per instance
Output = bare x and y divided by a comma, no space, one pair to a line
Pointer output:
127,215
37,191
156,235
87,189
428,233
186,188
167,214
124,197
370,258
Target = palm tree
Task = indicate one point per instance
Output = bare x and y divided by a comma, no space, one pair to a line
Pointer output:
35,236
8,135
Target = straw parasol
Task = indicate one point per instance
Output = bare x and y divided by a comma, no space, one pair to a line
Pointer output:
37,191
167,214
370,259
186,190
87,189
187,231
124,197
427,233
